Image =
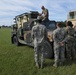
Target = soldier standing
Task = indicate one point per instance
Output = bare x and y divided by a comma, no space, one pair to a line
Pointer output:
70,50
59,48
39,34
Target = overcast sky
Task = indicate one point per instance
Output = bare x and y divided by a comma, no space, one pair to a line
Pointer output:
58,9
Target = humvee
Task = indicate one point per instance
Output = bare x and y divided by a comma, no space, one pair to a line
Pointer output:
21,30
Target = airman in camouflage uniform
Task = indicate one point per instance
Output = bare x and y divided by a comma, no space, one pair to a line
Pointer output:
59,49
39,34
70,41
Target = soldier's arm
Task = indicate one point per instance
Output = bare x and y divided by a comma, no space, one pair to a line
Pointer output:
32,33
46,12
40,14
55,37
45,33
75,34
65,37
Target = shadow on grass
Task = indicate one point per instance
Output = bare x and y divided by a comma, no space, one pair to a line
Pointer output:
69,62
22,45
66,63
48,63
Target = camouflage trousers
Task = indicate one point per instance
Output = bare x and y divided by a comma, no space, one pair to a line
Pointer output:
59,54
39,54
70,50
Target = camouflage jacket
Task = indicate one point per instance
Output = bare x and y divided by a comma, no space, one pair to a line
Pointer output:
39,34
69,33
58,35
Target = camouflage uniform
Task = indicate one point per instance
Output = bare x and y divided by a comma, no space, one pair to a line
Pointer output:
75,38
58,36
39,34
70,42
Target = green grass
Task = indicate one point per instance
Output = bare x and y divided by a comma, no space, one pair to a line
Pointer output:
20,60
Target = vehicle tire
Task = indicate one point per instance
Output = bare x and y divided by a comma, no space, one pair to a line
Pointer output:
15,40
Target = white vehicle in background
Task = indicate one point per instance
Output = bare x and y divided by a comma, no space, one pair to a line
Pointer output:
72,17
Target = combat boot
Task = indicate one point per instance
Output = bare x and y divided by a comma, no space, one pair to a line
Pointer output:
37,65
55,65
42,65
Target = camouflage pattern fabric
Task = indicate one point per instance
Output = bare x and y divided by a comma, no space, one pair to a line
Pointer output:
58,36
75,40
70,43
39,34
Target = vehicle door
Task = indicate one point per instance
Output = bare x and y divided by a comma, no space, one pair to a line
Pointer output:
27,32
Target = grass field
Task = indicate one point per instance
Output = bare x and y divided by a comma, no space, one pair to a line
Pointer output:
20,60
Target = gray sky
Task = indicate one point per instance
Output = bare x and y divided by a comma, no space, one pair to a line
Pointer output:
58,9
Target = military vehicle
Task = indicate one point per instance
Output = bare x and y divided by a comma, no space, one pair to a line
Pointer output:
21,30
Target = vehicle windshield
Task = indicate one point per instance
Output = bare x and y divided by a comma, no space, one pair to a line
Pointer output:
51,25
